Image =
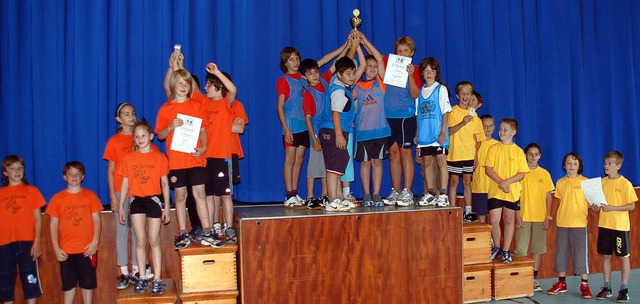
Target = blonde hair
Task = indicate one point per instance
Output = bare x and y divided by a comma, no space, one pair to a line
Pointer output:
406,40
177,75
616,156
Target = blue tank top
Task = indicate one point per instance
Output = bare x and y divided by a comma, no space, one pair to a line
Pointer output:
370,121
346,116
430,119
293,112
398,102
319,100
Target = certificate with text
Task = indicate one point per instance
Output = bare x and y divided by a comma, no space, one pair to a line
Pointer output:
185,137
396,73
592,189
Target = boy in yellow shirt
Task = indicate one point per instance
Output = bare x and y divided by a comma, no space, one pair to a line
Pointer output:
532,221
613,224
571,234
506,166
480,181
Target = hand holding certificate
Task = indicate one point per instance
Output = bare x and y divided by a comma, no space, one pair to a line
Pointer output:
396,72
592,189
185,137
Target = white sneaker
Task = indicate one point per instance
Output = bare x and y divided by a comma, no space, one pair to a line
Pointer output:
149,273
392,198
217,229
406,198
348,203
442,201
427,200
294,202
335,205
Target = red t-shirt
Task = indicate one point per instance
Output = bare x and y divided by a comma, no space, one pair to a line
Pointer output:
17,209
282,86
308,102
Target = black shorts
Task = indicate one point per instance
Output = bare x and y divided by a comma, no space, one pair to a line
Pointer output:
18,254
403,130
187,177
372,149
219,172
77,270
149,205
335,160
460,167
299,140
494,203
612,242
431,151
480,203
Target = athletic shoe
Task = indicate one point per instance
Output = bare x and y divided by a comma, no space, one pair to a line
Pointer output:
335,205
123,281
585,290
604,293
196,234
623,295
378,201
367,200
149,273
157,288
506,257
182,241
232,238
141,286
442,200
133,278
405,199
349,202
536,286
470,217
218,230
314,204
392,198
324,201
294,202
495,252
210,239
558,287
427,200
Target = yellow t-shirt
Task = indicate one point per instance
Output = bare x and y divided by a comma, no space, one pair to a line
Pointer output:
462,145
480,182
506,161
535,187
573,209
618,192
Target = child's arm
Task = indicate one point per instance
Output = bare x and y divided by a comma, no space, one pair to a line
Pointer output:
442,138
341,142
414,89
288,136
342,54
35,249
238,126
93,246
355,42
547,220
53,225
503,184
312,133
363,64
111,172
203,139
475,154
328,57
233,90
368,46
519,222
164,133
627,207
167,77
124,191
464,122
164,183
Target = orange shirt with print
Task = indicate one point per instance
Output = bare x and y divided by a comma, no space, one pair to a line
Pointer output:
143,171
74,212
219,122
17,208
117,146
166,114
237,111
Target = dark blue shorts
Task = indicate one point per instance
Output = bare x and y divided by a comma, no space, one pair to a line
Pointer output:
18,253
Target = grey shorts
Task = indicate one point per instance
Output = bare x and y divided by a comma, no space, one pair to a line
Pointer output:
571,243
315,166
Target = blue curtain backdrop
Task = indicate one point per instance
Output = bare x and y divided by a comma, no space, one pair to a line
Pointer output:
567,70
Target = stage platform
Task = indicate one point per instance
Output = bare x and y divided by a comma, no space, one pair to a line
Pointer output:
367,255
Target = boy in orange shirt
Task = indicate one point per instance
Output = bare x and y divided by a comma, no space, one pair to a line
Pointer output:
20,206
75,233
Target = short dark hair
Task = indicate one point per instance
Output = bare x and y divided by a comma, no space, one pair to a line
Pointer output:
530,146
616,155
478,96
217,83
510,121
433,63
308,64
284,56
74,164
577,157
344,64
486,116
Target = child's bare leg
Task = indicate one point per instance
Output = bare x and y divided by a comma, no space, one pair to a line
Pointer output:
154,243
87,295
408,168
606,267
444,173
323,181
625,270
69,296
289,160
211,208
310,185
138,222
508,215
454,180
227,209
377,175
333,184
395,167
297,167
181,209
365,176
201,206
495,215
217,202
466,185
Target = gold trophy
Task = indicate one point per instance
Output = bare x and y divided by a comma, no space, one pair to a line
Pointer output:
356,22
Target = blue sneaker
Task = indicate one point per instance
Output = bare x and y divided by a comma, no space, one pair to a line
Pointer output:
367,200
495,252
141,286
157,288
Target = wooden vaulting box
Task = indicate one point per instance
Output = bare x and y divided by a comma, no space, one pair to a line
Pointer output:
476,283
476,243
513,280
213,297
206,269
126,296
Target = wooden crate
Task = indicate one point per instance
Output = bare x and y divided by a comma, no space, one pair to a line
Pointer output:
213,297
476,243
206,269
476,283
513,280
127,296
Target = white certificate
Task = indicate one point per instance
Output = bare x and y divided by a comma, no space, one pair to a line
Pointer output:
396,72
185,137
592,189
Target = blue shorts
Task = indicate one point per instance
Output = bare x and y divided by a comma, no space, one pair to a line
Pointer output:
18,253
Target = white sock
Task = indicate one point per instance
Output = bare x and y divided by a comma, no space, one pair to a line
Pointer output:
467,209
124,270
346,190
134,269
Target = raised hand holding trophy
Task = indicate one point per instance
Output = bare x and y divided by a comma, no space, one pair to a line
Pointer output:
356,21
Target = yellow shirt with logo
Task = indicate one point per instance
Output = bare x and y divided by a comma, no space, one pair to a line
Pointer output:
506,161
535,187
480,182
618,192
462,145
573,209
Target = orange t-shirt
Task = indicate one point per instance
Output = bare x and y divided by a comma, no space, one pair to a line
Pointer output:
219,122
17,208
144,170
117,146
74,212
166,114
237,111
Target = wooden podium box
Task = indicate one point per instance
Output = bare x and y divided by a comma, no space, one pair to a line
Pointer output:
513,280
212,297
368,255
206,269
476,243
126,296
476,283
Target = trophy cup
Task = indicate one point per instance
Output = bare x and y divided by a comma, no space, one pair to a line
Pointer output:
356,21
